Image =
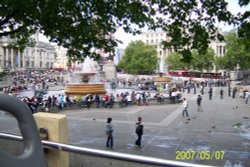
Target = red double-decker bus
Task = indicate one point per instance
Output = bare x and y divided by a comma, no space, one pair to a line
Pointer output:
194,74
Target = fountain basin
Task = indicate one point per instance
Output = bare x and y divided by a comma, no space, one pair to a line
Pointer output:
84,89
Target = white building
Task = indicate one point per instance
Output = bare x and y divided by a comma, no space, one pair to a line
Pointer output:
218,47
156,37
61,60
39,57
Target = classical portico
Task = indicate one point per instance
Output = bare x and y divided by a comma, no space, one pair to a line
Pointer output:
39,57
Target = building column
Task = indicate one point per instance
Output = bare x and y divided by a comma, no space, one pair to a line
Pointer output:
4,57
35,53
23,58
7,58
12,58
1,57
19,59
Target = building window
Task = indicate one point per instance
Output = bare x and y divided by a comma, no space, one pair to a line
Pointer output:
47,64
27,63
160,52
32,63
41,64
51,65
152,41
221,50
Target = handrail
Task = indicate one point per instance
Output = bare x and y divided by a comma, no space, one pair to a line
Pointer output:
32,154
106,154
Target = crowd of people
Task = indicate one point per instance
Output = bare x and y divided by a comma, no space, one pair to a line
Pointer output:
30,80
144,91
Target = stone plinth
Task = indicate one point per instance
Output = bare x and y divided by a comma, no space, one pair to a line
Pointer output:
110,71
57,127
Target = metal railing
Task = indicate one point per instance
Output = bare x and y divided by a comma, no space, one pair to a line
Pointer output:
106,154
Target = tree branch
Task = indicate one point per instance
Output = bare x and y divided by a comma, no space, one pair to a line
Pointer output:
7,18
6,33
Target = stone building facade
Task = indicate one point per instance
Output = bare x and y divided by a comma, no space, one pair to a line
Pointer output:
61,61
39,57
156,37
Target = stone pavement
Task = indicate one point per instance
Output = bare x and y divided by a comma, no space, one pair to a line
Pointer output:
222,127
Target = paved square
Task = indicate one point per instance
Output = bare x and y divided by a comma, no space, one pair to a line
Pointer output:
224,125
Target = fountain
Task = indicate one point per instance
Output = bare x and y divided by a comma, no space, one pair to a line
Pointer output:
162,79
86,81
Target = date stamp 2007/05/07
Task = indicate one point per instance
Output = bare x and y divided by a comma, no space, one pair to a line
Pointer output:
199,155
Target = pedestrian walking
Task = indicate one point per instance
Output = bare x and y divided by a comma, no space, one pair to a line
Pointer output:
210,92
221,93
188,88
247,94
234,92
185,106
139,131
109,133
229,91
202,89
199,99
194,89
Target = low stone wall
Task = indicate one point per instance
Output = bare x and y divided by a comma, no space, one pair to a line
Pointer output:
150,101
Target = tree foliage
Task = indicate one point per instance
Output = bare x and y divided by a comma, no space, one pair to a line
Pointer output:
203,61
219,63
236,53
199,61
83,27
174,62
139,58
86,26
244,25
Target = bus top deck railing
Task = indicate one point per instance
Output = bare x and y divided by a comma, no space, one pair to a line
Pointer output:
106,154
